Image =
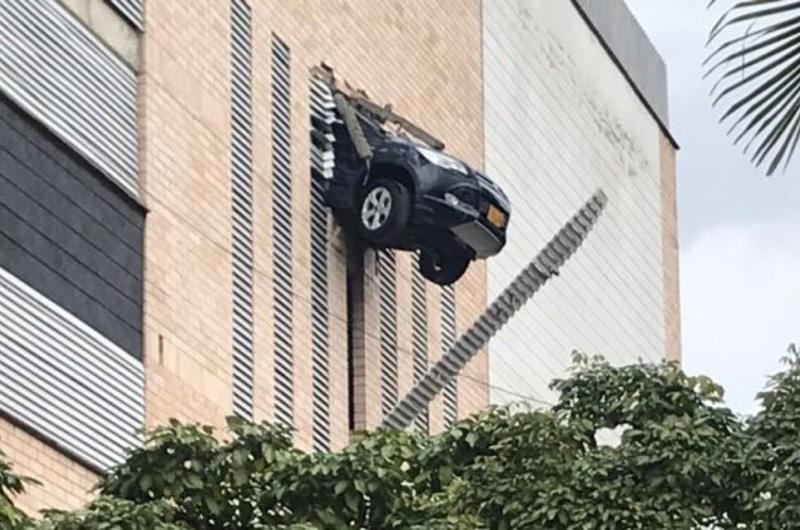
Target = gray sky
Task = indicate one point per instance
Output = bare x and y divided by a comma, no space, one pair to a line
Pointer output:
739,230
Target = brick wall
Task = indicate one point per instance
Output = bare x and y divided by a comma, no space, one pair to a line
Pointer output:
422,57
65,483
425,59
185,133
669,227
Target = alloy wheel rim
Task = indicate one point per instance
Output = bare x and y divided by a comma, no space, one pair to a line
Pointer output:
376,208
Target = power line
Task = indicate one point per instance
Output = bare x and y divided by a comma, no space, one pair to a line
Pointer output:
487,384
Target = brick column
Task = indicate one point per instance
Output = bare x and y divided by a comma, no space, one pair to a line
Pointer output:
669,224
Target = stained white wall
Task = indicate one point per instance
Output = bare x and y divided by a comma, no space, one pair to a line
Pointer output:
561,120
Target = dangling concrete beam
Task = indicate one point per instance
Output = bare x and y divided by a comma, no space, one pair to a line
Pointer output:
544,266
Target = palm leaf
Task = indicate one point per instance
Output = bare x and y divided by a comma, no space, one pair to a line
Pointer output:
780,112
736,8
747,61
788,147
774,96
757,76
749,35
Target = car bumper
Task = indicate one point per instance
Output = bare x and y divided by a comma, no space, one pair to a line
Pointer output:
466,223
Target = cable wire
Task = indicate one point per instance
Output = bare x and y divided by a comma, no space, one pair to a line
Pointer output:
487,384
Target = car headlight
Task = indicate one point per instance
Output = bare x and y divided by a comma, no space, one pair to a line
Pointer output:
442,160
451,199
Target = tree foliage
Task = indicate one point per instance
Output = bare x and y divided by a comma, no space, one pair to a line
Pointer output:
755,60
640,446
10,484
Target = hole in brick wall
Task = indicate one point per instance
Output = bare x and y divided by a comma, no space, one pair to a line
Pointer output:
161,350
355,286
378,168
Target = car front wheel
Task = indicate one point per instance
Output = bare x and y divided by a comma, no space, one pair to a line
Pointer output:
443,268
383,212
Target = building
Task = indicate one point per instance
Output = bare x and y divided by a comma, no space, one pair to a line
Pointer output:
165,251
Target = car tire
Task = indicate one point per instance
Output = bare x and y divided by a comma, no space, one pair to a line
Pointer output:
383,212
443,267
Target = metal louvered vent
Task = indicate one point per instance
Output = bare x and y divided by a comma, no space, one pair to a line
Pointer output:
63,76
387,278
419,337
242,207
323,115
132,10
450,391
320,333
65,380
541,268
282,232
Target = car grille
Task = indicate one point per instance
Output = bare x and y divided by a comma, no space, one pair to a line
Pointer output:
480,199
470,196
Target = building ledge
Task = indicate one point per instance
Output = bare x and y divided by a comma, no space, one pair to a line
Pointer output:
629,48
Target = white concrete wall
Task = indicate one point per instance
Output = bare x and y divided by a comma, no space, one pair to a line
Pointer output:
560,121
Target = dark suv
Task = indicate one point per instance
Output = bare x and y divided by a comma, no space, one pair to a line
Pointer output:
397,191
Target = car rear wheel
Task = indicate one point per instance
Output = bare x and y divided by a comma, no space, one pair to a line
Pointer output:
443,267
383,212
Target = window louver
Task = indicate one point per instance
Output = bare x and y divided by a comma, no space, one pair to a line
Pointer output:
63,76
282,231
322,116
242,207
321,104
132,10
387,278
65,380
419,336
450,391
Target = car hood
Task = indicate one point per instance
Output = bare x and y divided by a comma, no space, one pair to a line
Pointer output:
486,184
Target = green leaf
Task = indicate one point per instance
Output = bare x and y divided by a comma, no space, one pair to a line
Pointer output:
193,481
353,501
445,474
360,486
341,487
240,477
145,482
213,505
760,81
472,438
387,452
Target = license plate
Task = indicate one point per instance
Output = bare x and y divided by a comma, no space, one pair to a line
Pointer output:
496,216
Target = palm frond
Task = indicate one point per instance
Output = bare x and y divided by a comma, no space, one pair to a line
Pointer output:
740,13
762,105
756,67
749,35
792,34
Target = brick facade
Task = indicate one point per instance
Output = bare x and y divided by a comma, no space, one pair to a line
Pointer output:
423,58
669,227
431,74
185,168
65,484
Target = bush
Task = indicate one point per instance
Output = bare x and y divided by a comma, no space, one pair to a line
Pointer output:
682,460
